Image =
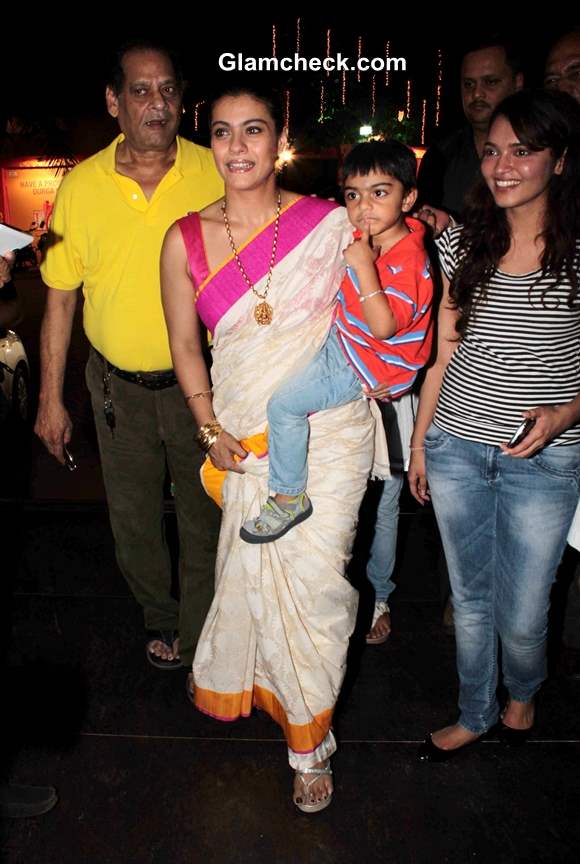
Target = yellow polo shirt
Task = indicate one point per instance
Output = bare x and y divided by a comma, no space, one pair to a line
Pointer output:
108,238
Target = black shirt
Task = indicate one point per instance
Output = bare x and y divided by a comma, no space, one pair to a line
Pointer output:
448,169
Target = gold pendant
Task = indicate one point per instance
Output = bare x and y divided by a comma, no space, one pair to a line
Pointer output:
263,313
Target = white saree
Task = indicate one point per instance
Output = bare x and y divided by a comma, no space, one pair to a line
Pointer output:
277,632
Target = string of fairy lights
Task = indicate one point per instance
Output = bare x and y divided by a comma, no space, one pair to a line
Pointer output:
326,84
373,82
439,86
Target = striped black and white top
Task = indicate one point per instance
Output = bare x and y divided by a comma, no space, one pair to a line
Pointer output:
517,353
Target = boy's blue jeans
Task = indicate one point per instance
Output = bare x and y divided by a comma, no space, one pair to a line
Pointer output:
327,382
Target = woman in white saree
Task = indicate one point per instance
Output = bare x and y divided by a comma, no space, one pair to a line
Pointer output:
265,266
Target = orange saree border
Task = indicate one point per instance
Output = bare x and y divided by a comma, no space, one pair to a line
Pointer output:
302,738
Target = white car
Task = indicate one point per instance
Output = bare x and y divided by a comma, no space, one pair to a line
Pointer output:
14,376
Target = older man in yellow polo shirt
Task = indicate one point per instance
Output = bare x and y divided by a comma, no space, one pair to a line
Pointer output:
110,216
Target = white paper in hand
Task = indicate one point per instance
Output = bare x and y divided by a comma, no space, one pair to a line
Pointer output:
11,238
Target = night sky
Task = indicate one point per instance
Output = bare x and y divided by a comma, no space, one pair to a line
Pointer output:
45,71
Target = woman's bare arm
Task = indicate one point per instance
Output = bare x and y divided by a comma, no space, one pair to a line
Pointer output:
186,350
429,396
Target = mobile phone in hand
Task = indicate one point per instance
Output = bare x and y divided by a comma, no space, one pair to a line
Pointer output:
521,432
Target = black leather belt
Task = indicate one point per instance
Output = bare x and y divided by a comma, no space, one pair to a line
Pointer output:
158,380
150,380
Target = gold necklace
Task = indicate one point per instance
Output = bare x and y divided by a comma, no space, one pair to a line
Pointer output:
263,313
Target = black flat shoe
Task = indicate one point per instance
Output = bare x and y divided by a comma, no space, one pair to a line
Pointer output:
513,737
18,801
429,752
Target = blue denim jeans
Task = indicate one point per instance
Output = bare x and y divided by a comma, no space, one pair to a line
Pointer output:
327,382
503,523
383,552
384,547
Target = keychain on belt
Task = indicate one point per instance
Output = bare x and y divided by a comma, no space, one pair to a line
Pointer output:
108,409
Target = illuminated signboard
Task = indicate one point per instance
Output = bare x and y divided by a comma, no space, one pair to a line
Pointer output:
28,191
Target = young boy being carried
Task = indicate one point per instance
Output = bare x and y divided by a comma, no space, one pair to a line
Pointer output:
382,333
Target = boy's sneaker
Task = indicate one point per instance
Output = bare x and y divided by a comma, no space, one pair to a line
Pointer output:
274,521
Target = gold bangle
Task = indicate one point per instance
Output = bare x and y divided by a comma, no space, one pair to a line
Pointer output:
416,448
208,435
197,395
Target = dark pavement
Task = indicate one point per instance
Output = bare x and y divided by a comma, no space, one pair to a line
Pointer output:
145,779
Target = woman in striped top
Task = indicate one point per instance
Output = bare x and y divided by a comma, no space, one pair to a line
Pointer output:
509,340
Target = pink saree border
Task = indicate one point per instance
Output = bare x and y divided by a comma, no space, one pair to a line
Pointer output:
219,290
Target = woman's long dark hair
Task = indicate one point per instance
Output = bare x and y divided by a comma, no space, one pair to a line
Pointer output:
541,119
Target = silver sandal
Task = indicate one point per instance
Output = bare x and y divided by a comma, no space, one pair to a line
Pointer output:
315,774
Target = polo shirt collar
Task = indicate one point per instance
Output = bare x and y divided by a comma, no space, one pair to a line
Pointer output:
107,156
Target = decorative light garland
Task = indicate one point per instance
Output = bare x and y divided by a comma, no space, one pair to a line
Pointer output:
287,111
196,108
439,87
